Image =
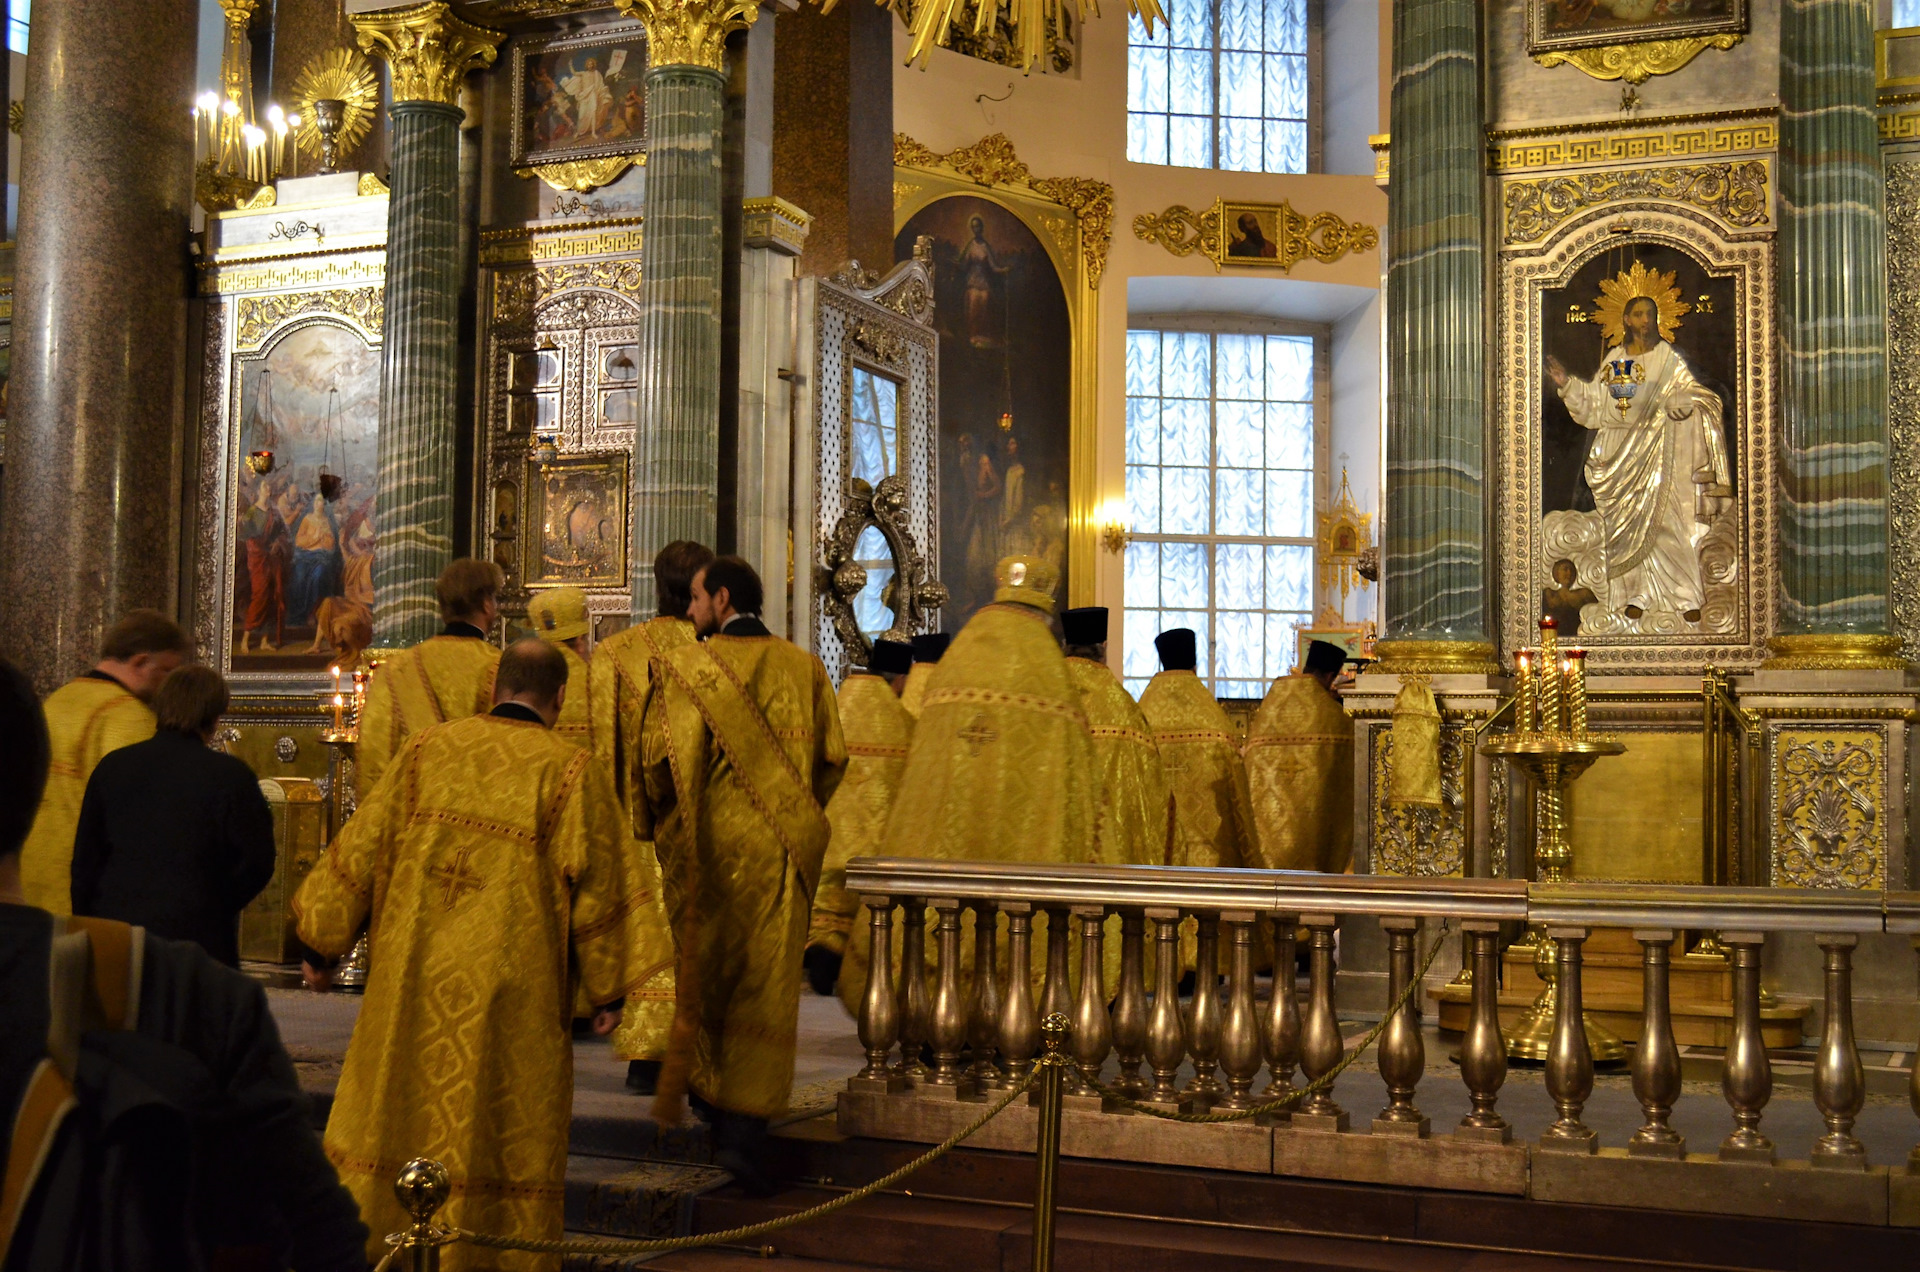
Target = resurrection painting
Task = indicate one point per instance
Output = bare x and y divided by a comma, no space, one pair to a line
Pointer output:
1567,24
1005,395
586,98
304,529
1640,488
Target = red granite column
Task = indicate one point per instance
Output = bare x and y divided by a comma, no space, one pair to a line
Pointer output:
88,522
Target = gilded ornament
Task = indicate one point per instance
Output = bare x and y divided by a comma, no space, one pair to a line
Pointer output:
1900,126
580,175
1903,393
992,161
1717,135
1436,658
1634,63
258,316
1734,192
1844,651
264,197
775,223
343,75
1829,790
1032,26
1418,841
1280,237
16,116
912,595
691,32
880,343
371,186
517,293
428,49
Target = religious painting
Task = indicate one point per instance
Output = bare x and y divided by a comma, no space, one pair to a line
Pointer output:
581,98
1569,24
1640,481
304,528
1006,395
581,521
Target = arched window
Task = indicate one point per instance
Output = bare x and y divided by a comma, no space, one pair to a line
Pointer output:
1225,84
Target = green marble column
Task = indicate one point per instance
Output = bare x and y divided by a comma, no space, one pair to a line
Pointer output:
676,463
1436,585
1833,368
430,52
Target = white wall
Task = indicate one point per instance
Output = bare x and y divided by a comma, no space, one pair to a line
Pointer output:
1350,85
1356,363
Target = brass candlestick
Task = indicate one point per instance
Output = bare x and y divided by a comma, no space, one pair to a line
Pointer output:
341,738
1550,744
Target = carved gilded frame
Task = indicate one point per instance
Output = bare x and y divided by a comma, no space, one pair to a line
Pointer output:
1073,219
1525,273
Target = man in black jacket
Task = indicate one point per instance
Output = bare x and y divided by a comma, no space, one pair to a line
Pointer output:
174,836
177,1134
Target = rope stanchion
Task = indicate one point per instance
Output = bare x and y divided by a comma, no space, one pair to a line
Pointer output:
423,1186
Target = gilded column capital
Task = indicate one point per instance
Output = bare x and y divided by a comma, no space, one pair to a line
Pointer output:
690,32
429,49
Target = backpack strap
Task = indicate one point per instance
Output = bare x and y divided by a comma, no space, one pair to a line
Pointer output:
94,974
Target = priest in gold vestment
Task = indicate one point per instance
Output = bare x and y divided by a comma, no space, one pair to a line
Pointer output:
446,677
1300,769
1213,823
928,649
100,711
558,615
741,753
621,680
1133,822
490,870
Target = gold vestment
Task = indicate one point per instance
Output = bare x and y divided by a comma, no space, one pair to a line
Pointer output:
86,718
742,751
878,732
1131,825
440,679
487,862
1300,778
1213,823
576,712
913,695
618,684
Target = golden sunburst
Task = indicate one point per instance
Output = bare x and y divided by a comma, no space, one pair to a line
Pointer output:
1610,306
345,74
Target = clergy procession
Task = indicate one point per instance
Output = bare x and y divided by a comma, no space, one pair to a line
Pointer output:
645,840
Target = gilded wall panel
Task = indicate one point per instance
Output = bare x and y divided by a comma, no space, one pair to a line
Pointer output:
1829,806
1903,394
1422,842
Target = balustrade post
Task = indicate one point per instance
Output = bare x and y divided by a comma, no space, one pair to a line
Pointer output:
1130,1005
1913,1086
1839,1081
879,1011
1280,1027
984,1023
1483,1052
1166,1041
1019,1025
1092,1029
1403,1053
1203,1016
1569,1058
1320,1043
1748,1078
1056,991
1240,1031
1656,1061
915,1010
949,1031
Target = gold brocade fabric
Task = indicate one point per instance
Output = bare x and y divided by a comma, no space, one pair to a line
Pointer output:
487,861
618,684
1300,778
1131,825
1414,778
1213,823
913,695
86,718
575,712
742,751
878,731
441,679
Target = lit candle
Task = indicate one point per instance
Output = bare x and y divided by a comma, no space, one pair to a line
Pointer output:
1523,691
339,709
336,678
1550,679
1577,691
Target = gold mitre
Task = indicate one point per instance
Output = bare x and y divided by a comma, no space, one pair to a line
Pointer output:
559,614
1025,580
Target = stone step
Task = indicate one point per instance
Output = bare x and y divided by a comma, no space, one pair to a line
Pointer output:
621,1197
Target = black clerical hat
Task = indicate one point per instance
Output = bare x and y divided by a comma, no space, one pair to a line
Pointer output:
1176,648
1085,626
890,658
1324,656
929,646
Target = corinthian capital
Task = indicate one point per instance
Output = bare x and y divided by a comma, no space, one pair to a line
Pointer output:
429,49
690,32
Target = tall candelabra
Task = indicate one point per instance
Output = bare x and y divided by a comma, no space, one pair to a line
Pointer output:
1551,744
341,739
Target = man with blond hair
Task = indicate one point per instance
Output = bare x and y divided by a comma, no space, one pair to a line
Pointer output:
100,711
445,677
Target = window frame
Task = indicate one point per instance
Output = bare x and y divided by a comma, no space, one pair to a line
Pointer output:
1213,325
1316,93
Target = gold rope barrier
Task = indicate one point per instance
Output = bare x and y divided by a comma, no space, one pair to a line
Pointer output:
423,1186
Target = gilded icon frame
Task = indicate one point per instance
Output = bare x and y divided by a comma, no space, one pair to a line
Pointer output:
631,36
1731,22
